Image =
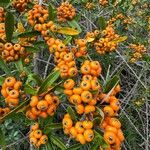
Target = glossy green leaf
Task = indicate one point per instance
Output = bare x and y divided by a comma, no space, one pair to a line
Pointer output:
67,40
95,146
67,31
52,13
19,65
58,142
1,80
101,113
101,23
49,81
52,126
75,147
29,90
31,49
49,146
4,67
29,34
75,25
2,140
71,112
4,3
111,84
9,26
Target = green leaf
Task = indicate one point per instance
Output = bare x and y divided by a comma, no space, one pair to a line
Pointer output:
29,90
67,31
52,126
75,147
1,80
52,13
111,83
101,113
9,26
49,146
2,41
58,142
31,49
101,23
4,3
67,40
2,140
29,34
49,81
72,113
95,146
75,25
19,65
4,67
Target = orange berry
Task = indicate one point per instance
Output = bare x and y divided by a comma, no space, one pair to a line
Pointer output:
72,71
86,96
120,135
43,114
51,110
79,127
10,81
68,92
89,109
37,134
42,105
80,109
95,85
115,123
109,137
75,99
35,126
30,115
81,139
48,98
33,141
87,77
14,93
108,111
95,65
85,85
88,135
17,85
93,102
87,124
67,122
77,90
73,132
35,111
111,128
43,139
85,69
69,84
34,101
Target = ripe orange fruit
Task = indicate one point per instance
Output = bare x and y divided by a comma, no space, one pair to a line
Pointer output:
35,126
120,135
81,138
33,141
42,105
109,137
10,81
37,134
14,93
67,123
77,90
43,139
111,128
115,123
85,69
69,84
89,109
108,111
87,124
86,96
79,127
85,85
88,135
48,98
75,99
34,101
80,109
73,132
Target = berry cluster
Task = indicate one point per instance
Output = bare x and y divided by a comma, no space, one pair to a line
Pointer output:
138,51
63,57
11,52
4,111
38,14
89,5
37,138
11,91
2,14
81,131
42,107
81,49
106,43
113,134
65,12
20,5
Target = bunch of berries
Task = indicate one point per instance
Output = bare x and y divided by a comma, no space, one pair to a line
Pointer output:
138,51
42,107
89,5
44,29
107,42
65,12
11,52
63,57
11,91
2,14
37,138
38,14
113,134
81,131
4,111
20,5
81,48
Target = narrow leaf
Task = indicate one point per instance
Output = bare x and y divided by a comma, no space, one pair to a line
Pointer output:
2,140
72,113
67,31
58,142
29,34
31,49
49,81
4,67
120,39
9,26
67,40
101,23
75,147
75,25
1,80
51,127
29,90
4,3
52,13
